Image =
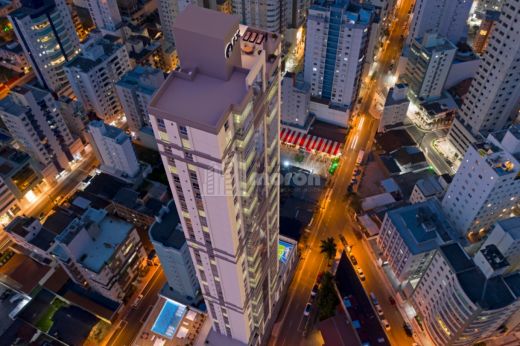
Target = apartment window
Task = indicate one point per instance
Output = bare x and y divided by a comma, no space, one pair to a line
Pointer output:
183,130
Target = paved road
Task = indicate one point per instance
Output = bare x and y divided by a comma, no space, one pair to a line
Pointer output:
135,317
425,140
332,218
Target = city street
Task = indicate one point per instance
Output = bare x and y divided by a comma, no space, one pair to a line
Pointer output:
134,318
333,219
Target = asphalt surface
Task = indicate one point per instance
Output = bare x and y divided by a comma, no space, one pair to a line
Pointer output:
333,219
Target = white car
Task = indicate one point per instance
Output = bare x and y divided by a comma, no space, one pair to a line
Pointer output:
379,311
307,310
361,274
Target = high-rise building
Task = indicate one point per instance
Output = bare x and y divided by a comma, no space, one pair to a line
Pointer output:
102,252
216,121
93,74
395,108
31,116
487,25
448,18
135,90
492,101
105,14
114,149
296,12
269,15
46,32
335,50
486,185
172,249
462,301
296,98
428,65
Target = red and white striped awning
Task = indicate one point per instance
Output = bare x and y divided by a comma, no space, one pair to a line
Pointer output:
310,142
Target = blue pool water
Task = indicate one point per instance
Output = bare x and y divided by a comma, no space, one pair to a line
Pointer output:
168,319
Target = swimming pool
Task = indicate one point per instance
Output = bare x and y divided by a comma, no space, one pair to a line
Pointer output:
169,318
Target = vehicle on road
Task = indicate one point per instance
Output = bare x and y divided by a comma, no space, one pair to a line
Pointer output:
307,310
353,260
343,240
408,329
361,274
385,324
314,290
373,298
391,300
379,311
137,301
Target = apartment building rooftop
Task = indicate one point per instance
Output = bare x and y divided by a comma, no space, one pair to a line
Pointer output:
489,293
355,13
136,79
94,52
216,61
422,226
33,8
433,42
511,226
110,131
501,150
166,231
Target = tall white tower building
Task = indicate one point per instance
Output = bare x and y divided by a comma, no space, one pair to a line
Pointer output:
93,74
335,52
493,99
486,185
114,149
46,32
168,11
105,14
266,14
445,17
216,121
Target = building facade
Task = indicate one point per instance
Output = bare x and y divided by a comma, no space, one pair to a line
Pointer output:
428,66
492,102
459,303
296,98
135,91
114,149
172,249
46,32
505,235
93,74
486,186
219,140
335,50
31,116
448,18
395,108
105,14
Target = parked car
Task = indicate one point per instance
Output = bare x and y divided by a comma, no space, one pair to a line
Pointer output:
408,329
343,240
307,310
361,274
314,290
385,324
137,301
379,311
391,300
353,260
373,298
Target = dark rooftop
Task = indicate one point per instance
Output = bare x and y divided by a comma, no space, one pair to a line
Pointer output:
72,325
166,231
393,140
105,185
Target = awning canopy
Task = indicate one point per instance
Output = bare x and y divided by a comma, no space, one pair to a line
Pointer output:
310,143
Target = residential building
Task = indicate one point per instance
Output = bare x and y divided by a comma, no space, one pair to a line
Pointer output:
75,116
409,237
296,98
105,15
101,252
448,18
296,12
426,188
8,6
213,134
395,108
335,50
492,100
135,91
114,149
172,249
487,25
31,116
462,301
168,12
494,5
463,67
428,65
93,74
20,182
486,186
46,32
13,57
268,15
505,235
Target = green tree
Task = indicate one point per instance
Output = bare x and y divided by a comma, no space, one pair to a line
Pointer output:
328,248
327,297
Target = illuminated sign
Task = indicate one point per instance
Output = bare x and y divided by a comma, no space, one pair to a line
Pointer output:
231,44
